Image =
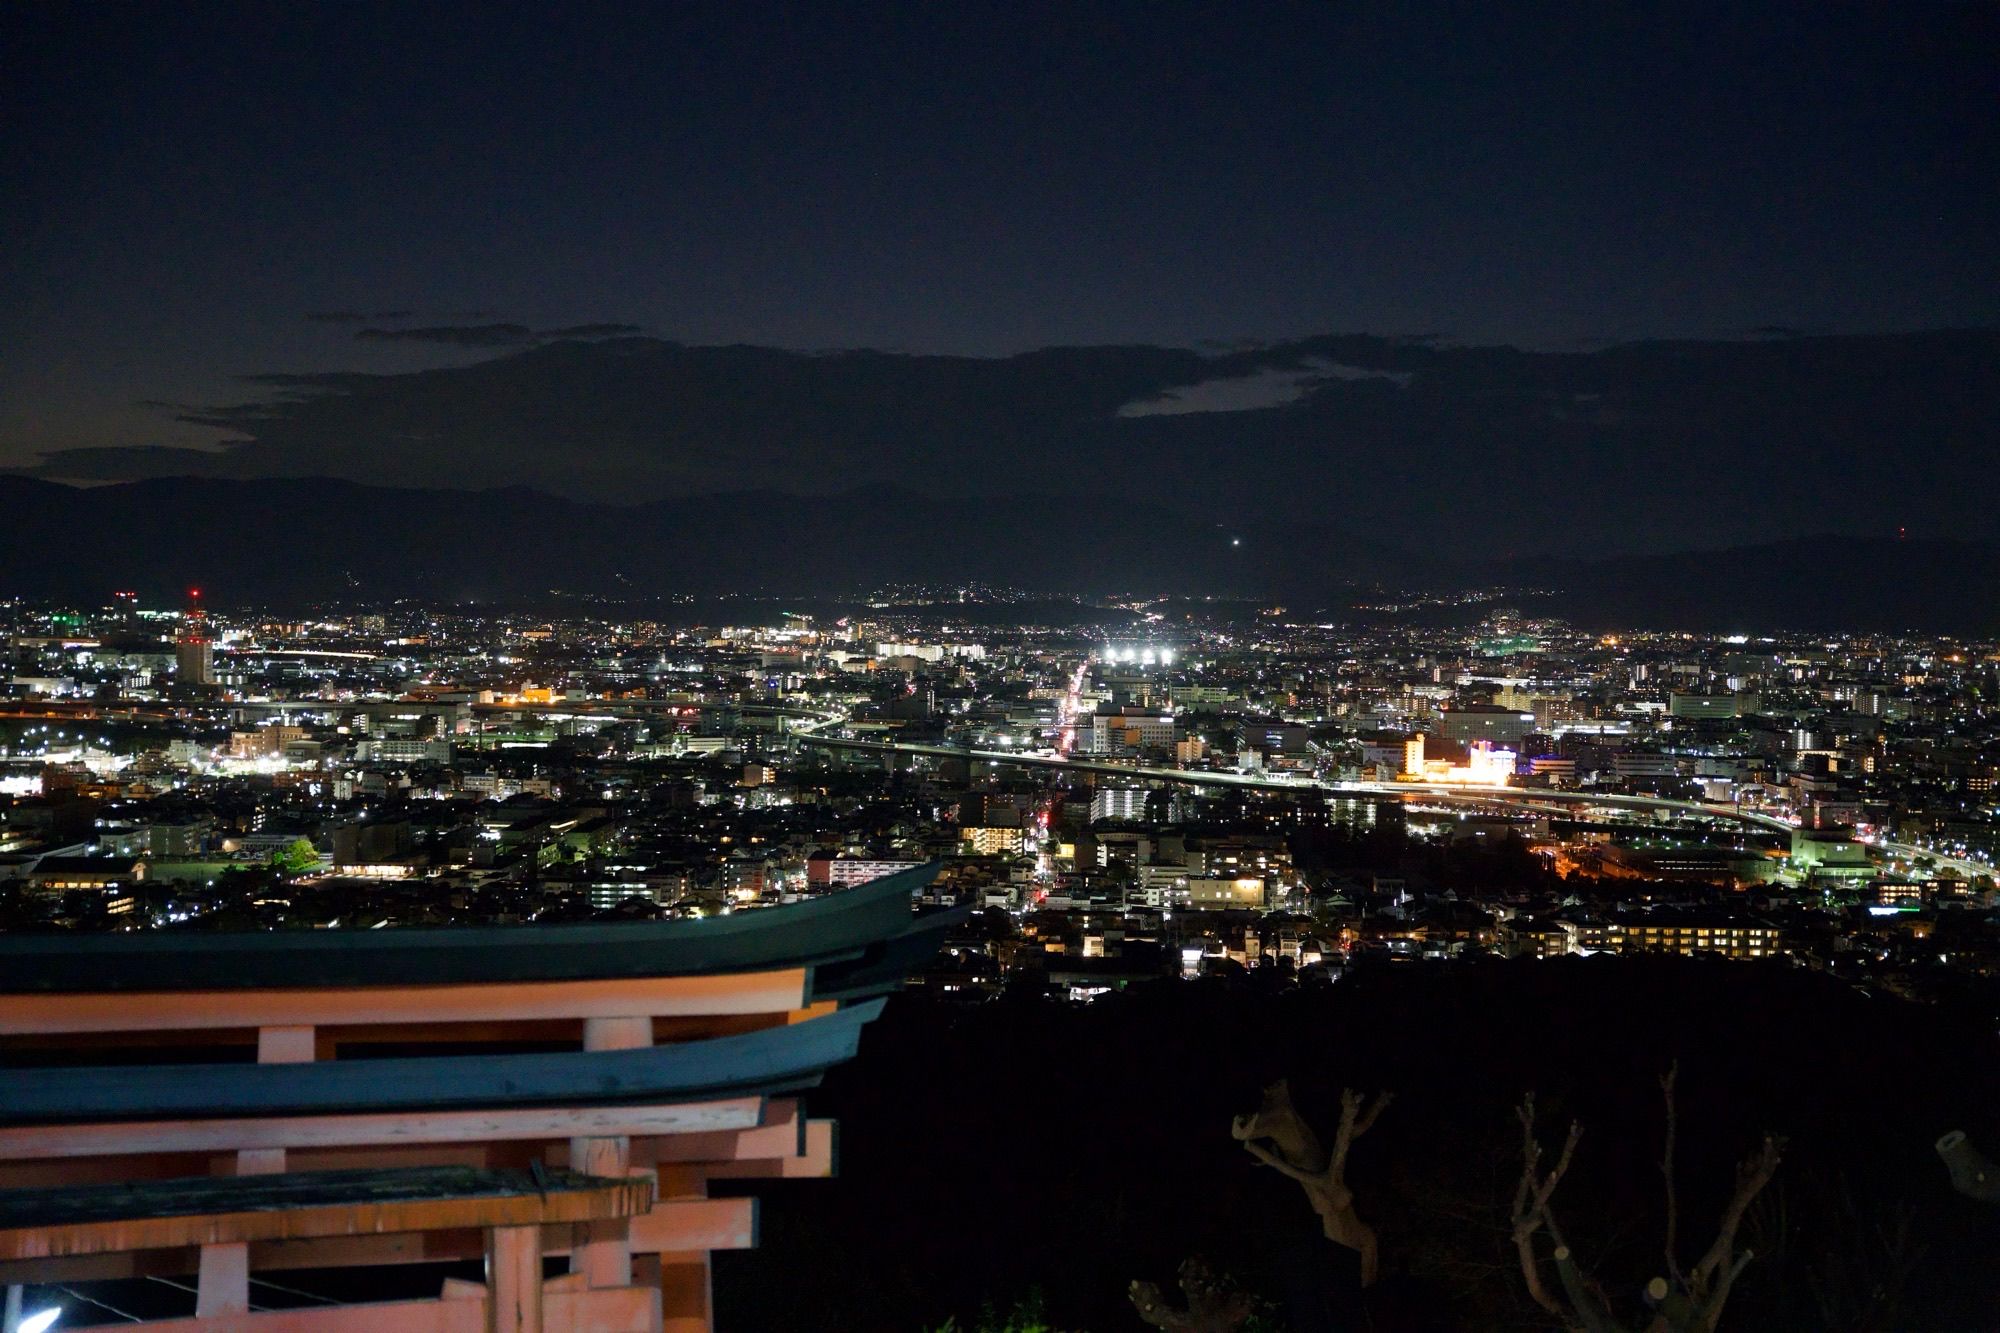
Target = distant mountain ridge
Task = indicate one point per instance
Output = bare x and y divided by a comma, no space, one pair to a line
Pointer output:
289,539
1471,452
294,540
1829,583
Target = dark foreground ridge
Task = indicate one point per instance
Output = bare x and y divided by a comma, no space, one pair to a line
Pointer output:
1074,1149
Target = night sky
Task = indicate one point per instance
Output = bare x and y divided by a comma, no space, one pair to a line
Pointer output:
186,184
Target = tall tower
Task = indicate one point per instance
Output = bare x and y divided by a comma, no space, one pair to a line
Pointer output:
194,651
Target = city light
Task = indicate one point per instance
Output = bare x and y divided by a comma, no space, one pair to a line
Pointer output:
630,774
1486,765
1138,654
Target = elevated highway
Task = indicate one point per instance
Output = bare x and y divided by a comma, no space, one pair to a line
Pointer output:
1018,759
1527,796
803,721
76,710
1518,797
1909,852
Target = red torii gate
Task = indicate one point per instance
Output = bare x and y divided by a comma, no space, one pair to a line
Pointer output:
679,1037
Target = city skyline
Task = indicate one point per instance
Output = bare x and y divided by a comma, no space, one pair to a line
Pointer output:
999,667
1417,842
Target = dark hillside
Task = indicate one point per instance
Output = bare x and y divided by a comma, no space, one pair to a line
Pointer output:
988,1152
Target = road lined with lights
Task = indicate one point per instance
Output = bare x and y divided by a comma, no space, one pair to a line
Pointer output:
1192,777
1470,794
1530,795
1910,852
807,724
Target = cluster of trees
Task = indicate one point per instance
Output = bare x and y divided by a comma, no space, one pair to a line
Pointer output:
1683,1298
1784,1176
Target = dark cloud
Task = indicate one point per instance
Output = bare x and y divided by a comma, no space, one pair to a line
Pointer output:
455,335
125,462
494,335
1272,386
593,331
358,317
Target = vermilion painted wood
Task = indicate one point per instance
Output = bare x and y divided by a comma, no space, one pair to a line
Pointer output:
818,1160
162,1215
769,991
222,1285
749,1004
673,1224
609,1310
687,1292
780,1135
696,1224
514,1280
775,1059
675,1119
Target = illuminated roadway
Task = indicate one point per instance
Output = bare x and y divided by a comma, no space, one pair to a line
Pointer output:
1519,795
1538,799
1513,796
237,651
1196,778
1909,852
805,723
1516,797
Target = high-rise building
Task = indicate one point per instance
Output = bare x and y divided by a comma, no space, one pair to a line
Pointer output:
988,841
1710,705
1112,733
1118,803
1468,722
194,651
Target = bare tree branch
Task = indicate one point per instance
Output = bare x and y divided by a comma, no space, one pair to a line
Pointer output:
1531,1202
1271,1159
1667,1081
1354,1122
1375,1109
1278,1136
1687,1302
1752,1175
1279,1120
1586,1301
